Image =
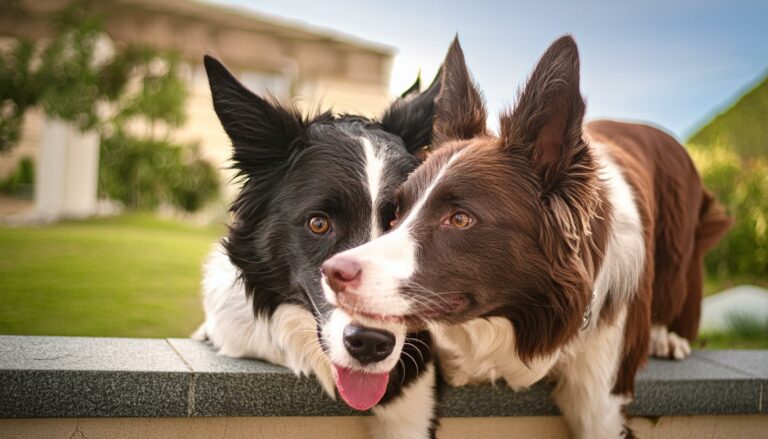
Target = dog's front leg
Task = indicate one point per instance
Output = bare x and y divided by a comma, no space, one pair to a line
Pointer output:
412,414
586,372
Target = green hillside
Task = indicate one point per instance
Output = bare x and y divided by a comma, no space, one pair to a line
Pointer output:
743,127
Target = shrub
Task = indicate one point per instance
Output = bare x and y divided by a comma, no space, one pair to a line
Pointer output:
145,173
21,181
741,184
135,87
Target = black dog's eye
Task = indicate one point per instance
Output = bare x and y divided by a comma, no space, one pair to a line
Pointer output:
387,216
394,221
319,224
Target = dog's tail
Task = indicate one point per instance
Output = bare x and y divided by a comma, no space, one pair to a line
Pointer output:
713,224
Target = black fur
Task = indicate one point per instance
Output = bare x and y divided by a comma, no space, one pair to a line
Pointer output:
401,116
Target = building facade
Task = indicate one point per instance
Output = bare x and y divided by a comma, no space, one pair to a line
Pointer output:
315,68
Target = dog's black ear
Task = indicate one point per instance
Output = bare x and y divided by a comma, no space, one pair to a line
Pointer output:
459,109
411,116
262,133
414,89
546,122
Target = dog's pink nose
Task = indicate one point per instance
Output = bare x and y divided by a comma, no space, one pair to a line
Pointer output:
342,273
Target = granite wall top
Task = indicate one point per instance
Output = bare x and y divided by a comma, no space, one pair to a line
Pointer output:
118,377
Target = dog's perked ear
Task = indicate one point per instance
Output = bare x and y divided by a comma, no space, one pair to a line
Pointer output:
262,133
546,122
411,116
544,131
459,110
414,89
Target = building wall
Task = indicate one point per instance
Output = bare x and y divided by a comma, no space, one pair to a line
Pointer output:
313,69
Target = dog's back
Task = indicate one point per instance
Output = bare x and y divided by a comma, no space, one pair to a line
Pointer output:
684,220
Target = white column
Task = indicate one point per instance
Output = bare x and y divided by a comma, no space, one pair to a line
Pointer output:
66,176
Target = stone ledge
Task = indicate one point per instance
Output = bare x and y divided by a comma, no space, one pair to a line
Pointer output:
71,377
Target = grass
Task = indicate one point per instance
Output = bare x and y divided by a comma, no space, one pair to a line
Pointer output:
744,333
713,285
139,276
129,276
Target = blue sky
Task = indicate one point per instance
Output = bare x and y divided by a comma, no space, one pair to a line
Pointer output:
673,63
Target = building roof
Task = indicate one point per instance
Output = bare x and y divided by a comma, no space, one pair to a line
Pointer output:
249,20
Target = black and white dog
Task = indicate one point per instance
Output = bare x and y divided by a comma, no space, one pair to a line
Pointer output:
311,188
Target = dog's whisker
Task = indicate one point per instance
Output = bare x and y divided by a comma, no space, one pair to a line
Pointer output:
416,349
412,359
420,341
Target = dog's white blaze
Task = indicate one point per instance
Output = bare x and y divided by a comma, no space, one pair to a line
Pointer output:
287,337
624,257
416,210
410,415
333,334
374,169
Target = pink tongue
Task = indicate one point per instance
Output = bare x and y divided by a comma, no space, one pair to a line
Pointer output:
361,390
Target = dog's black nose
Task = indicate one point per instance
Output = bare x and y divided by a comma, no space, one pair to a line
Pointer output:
368,345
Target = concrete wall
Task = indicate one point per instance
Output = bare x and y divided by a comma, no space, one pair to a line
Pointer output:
529,427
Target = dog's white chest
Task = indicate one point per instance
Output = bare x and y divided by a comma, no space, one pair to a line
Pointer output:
483,350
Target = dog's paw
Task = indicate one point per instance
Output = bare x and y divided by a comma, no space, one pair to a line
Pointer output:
200,334
667,344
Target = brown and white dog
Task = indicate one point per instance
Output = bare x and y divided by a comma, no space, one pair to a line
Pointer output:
554,248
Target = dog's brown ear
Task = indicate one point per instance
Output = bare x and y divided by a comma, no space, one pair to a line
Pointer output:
546,122
545,129
459,109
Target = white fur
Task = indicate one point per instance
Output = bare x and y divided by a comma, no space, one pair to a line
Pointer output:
374,168
624,257
483,350
666,344
586,373
287,338
410,415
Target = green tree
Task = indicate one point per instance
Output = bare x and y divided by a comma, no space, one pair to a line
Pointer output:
69,77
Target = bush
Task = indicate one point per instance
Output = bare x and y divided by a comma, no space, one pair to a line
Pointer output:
145,173
21,181
741,184
134,87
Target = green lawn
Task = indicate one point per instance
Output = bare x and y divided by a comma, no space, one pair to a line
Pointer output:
129,276
139,276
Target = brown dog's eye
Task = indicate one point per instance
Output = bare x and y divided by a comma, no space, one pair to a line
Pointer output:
319,225
460,220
